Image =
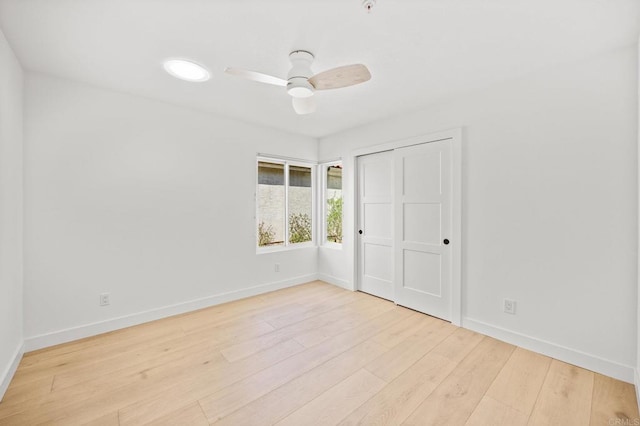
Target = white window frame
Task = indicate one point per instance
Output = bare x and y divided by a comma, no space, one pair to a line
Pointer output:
323,202
287,162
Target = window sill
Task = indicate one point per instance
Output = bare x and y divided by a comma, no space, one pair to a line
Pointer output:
332,246
266,250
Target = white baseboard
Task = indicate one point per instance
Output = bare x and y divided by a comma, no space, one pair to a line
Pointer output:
92,329
8,373
562,353
335,281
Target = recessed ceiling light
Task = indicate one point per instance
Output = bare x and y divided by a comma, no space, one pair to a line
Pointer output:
186,70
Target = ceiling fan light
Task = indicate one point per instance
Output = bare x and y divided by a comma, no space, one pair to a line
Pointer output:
304,106
186,70
300,92
299,87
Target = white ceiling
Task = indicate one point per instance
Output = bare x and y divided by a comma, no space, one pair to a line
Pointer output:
419,52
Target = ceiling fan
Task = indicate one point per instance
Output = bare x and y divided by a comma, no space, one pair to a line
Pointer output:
301,83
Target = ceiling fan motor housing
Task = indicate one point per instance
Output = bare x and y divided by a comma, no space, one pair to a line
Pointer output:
298,84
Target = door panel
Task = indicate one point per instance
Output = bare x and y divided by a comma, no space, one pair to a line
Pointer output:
422,223
375,210
422,272
376,175
376,262
422,177
377,220
422,279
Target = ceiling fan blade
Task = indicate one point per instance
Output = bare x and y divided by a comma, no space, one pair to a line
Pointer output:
256,76
304,106
335,78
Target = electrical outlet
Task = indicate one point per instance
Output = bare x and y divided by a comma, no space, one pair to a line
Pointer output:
277,267
104,299
510,306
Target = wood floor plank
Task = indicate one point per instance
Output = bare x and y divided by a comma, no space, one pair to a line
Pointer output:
282,401
453,401
152,356
320,334
333,405
252,388
289,300
198,325
91,353
460,337
403,356
400,331
321,306
164,353
19,395
194,385
278,373
87,389
355,312
613,402
292,299
151,394
108,341
239,329
565,397
190,415
205,359
519,382
109,419
491,412
131,381
289,397
396,401
308,293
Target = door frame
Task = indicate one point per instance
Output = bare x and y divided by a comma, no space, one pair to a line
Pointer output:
455,136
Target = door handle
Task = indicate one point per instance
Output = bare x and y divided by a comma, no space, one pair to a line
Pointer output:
360,232
446,241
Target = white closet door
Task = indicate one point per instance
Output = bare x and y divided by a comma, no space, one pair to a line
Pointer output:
375,224
422,228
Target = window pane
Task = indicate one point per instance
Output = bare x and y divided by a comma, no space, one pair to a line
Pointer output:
300,204
334,204
270,204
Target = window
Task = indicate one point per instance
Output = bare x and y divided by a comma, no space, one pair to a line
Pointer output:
271,204
332,202
300,204
284,200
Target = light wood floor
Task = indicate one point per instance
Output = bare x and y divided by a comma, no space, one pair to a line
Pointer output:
308,355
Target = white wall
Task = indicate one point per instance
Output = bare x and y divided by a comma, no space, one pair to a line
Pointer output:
549,207
637,365
11,92
150,202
